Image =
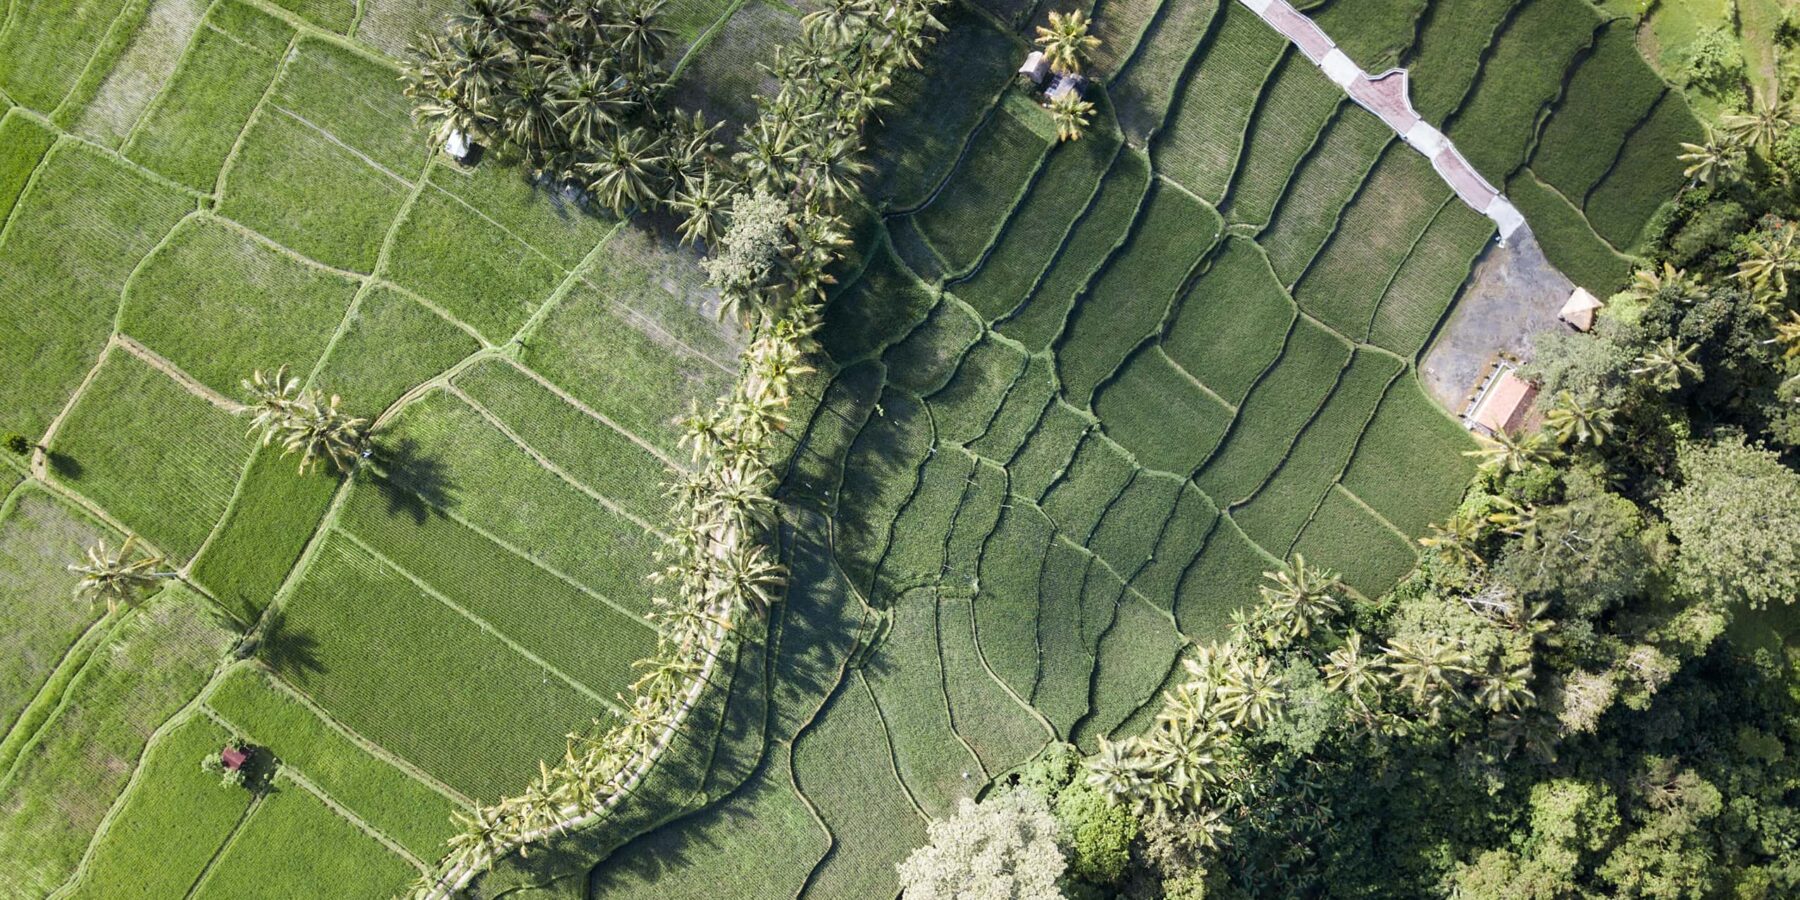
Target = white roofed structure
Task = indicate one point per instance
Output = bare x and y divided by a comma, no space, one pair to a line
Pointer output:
1579,311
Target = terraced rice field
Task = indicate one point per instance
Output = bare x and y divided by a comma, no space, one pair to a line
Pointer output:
1074,399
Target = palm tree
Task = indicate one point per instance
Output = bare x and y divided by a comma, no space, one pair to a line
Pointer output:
586,103
1762,127
1301,596
1353,673
1455,539
1066,42
116,577
841,23
1427,668
506,20
750,577
304,421
703,205
1787,334
640,39
1517,520
771,153
1666,363
1248,692
1117,768
1070,114
1576,422
1647,283
1771,258
1719,157
625,174
1504,453
833,169
484,833
1503,690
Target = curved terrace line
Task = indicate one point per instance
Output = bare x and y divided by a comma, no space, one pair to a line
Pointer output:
1386,95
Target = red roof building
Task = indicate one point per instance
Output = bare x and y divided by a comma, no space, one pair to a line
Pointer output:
233,758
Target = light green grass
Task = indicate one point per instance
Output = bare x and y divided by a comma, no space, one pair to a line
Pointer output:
220,305
274,514
1230,325
394,803
390,344
1410,466
171,825
23,142
294,843
74,237
65,780
160,459
39,537
46,44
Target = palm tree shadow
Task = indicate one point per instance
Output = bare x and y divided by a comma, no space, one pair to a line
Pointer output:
288,652
413,485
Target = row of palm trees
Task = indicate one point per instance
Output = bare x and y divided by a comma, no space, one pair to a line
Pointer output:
1198,759
771,215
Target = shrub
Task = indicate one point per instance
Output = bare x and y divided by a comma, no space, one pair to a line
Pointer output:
1005,847
17,444
1097,833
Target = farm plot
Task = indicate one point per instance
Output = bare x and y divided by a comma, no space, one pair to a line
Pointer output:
1199,145
291,842
981,193
38,536
1522,74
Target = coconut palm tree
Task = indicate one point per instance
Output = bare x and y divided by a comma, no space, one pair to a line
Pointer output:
116,577
304,421
587,104
484,834
1666,363
1249,692
750,577
1576,422
1721,157
1505,690
1517,520
627,171
840,23
506,20
704,206
641,40
1066,42
1763,126
1770,260
1504,453
1455,539
833,170
1787,335
1353,673
1301,596
1427,668
1648,283
772,151
1070,115
1117,768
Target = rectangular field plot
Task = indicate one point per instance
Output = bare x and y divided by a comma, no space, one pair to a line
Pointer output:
405,809
46,44
1096,233
1048,451
74,238
376,652
220,304
171,825
23,142
1646,173
1008,607
878,309
1281,404
870,815
1375,234
1222,579
449,458
599,455
540,215
312,194
196,118
1095,478
1119,24
1126,304
352,100
391,26
1373,33
1274,517
1430,279
1232,322
1522,73
935,107
880,473
963,408
1346,538
1032,236
1199,146
1443,64
39,537
480,272
1143,91
65,780
973,204
1025,403
1128,534
1409,466
390,345
578,632
723,78
1295,106
1610,92
1155,410
160,459
1569,241
917,553
274,514
149,57
291,843
1328,178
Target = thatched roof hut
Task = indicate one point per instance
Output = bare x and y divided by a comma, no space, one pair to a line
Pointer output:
1579,311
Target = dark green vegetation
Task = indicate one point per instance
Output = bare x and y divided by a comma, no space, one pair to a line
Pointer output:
1077,398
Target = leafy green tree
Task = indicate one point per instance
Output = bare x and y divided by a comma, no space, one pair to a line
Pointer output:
1096,832
1735,518
1004,848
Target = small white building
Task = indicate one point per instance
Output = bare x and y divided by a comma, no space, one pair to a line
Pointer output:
1580,309
1035,68
457,145
1067,83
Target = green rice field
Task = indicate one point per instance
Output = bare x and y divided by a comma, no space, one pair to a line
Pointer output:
1073,399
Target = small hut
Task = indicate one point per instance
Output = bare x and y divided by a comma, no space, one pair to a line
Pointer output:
1503,404
458,146
1067,83
233,758
1579,311
1034,69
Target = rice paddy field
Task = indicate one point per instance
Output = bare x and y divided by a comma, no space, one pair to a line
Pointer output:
1074,399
